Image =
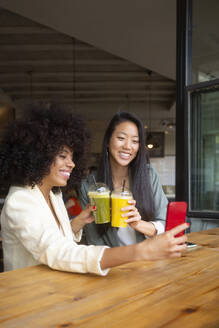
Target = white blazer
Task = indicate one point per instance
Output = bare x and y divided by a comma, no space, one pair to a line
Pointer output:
31,235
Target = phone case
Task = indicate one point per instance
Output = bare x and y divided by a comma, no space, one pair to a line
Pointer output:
176,215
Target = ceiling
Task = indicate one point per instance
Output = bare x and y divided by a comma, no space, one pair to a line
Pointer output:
141,31
39,63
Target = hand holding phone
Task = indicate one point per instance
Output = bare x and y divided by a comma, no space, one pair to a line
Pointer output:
176,215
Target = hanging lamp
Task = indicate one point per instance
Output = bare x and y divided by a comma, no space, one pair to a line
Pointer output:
149,140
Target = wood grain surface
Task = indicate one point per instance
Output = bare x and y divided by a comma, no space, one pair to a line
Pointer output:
176,293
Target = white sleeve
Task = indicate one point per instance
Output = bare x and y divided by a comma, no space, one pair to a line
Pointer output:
38,232
77,236
159,226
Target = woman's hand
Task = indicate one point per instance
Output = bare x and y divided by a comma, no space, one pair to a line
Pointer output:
85,217
135,221
165,245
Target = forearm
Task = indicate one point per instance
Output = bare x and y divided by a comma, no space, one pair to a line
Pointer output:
149,229
146,228
160,247
76,224
119,255
83,218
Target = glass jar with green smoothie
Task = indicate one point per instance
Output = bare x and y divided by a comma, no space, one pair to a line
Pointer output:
99,195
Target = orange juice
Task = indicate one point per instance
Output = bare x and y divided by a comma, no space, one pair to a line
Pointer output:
119,200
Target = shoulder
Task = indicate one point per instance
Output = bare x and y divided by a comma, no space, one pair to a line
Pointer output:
17,193
22,197
154,179
21,204
152,172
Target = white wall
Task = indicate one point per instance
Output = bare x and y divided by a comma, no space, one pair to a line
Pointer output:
166,168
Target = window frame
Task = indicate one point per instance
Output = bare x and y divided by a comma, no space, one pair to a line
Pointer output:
184,90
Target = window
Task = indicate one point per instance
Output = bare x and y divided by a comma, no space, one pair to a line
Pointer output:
205,40
204,151
202,92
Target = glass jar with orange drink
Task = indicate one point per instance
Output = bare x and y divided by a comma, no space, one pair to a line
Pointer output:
120,198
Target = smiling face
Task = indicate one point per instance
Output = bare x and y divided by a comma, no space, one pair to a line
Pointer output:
124,143
60,169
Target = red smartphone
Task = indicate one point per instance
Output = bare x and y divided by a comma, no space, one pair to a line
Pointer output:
176,215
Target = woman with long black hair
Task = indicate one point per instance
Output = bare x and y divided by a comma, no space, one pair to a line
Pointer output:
124,156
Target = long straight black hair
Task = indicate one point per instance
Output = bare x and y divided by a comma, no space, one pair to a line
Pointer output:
138,168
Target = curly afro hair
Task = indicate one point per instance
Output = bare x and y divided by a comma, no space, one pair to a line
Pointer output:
29,146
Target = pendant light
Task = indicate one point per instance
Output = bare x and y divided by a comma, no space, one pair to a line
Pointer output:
149,140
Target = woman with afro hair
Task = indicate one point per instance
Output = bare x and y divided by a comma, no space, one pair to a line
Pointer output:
39,155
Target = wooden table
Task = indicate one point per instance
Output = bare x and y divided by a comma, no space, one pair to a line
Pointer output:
174,293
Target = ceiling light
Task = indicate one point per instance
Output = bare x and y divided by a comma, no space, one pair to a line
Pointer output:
150,145
149,141
170,125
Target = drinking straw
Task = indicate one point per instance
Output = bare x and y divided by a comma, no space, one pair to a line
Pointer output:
95,181
123,185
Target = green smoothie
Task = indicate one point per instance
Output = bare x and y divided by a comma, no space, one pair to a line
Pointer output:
102,203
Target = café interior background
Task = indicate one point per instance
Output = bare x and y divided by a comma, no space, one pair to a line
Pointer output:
96,68
98,58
